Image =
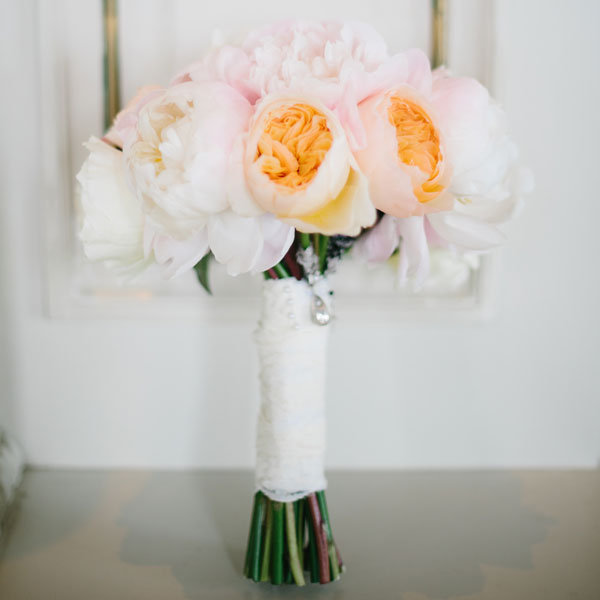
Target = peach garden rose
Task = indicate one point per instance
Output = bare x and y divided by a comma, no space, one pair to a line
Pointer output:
298,166
405,157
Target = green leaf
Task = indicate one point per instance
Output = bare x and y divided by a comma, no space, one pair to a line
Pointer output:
201,269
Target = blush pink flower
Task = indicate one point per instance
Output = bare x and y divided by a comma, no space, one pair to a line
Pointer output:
437,150
337,63
125,121
405,156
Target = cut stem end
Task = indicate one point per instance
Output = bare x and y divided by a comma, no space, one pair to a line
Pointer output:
288,539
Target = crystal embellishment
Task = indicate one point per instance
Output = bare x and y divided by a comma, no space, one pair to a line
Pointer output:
319,312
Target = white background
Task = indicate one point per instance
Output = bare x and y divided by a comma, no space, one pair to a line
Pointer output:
521,389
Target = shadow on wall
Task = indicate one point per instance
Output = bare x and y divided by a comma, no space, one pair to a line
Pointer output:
424,533
11,456
7,352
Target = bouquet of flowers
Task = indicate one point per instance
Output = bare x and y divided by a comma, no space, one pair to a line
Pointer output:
279,156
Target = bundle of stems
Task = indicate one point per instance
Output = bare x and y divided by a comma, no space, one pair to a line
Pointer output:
289,267
327,249
287,539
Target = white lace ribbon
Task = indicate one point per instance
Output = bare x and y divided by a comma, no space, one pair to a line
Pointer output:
290,441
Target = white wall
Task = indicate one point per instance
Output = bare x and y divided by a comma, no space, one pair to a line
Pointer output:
520,390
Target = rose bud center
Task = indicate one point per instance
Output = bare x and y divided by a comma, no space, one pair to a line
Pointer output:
418,145
293,145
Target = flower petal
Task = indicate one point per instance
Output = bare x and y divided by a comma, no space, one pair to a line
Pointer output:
238,194
413,263
124,123
390,186
474,130
379,243
277,239
178,256
465,232
112,219
346,215
235,241
419,71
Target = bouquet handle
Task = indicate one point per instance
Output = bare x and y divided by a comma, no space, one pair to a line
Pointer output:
290,530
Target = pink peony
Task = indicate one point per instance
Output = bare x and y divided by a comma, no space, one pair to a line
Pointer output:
339,64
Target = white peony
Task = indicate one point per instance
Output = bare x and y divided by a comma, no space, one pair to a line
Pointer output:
112,227
487,183
177,158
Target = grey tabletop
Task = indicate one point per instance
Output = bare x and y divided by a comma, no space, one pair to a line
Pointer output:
406,535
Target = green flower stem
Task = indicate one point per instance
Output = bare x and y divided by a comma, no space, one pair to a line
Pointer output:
304,240
287,571
312,556
339,559
281,271
333,559
257,537
315,241
292,542
277,547
300,530
323,243
266,557
320,539
251,536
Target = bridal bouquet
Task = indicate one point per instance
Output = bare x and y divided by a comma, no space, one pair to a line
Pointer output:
279,156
